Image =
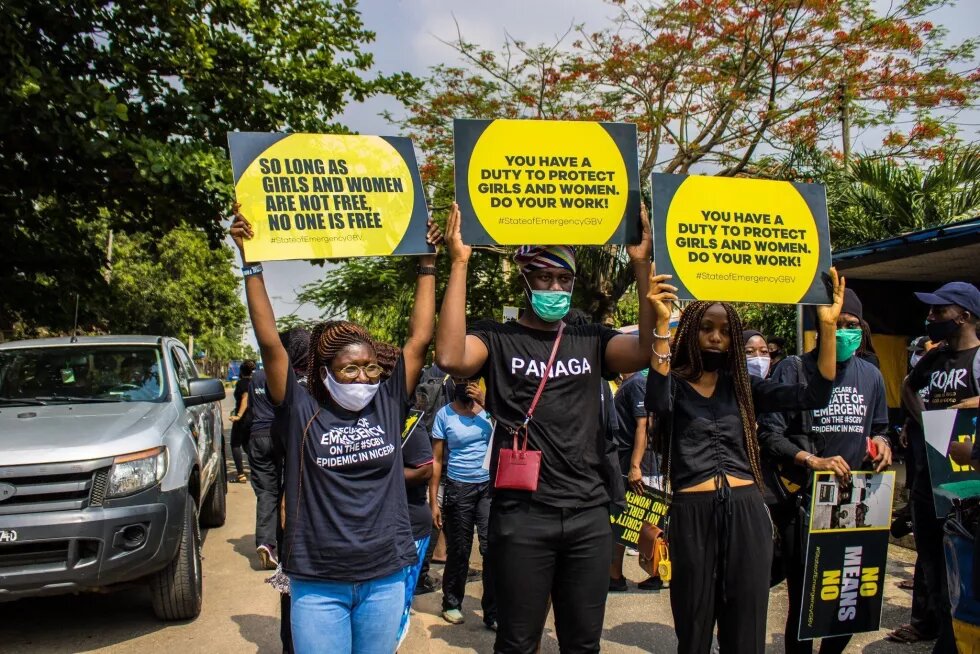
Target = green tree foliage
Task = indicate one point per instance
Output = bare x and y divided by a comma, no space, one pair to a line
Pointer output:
771,320
177,286
119,110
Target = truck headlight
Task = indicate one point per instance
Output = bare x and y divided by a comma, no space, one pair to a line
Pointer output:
134,472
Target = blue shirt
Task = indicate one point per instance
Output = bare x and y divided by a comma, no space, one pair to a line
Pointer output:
467,439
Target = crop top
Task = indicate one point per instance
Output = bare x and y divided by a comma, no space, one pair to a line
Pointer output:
707,438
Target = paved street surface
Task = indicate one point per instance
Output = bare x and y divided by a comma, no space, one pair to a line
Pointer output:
240,611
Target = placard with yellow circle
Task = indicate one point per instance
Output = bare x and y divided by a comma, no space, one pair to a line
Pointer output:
741,240
327,196
547,182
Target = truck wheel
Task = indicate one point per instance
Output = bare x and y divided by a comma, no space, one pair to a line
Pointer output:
177,589
214,507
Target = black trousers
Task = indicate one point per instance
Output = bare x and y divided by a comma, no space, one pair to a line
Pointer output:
463,507
266,472
792,525
721,553
239,436
928,531
539,551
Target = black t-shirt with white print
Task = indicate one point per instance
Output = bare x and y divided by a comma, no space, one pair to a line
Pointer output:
943,377
347,518
566,427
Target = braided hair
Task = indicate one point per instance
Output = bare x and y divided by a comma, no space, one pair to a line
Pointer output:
686,364
326,342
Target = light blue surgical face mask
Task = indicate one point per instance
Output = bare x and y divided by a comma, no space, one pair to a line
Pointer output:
550,306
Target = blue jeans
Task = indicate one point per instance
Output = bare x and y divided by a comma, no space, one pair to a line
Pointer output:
411,580
346,617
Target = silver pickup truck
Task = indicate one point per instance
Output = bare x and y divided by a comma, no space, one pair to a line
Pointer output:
111,455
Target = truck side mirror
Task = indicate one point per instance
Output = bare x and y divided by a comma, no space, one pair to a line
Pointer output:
202,391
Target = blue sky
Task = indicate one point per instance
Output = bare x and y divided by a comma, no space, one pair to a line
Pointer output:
409,34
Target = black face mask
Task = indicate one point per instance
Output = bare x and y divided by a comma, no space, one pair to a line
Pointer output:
461,395
713,361
941,330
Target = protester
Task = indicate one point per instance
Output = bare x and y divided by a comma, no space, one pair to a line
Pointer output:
266,459
866,350
555,540
264,456
461,434
831,443
637,461
947,376
241,418
758,361
417,454
348,540
777,350
705,404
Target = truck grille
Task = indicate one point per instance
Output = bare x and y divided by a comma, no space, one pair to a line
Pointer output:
55,487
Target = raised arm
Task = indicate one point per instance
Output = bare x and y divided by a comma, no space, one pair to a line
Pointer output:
263,319
457,353
627,353
422,323
827,325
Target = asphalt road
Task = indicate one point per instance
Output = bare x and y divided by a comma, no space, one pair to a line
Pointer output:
241,612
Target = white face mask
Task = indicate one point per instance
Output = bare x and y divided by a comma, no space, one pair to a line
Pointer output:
758,366
352,397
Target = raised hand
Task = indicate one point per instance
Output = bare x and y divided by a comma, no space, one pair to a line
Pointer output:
642,251
433,237
459,252
240,229
828,314
661,295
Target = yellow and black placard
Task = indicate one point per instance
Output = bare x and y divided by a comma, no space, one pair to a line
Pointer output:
847,548
950,481
328,196
547,182
742,240
651,507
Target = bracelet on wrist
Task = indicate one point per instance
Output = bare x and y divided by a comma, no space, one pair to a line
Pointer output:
426,270
662,358
254,269
661,337
806,461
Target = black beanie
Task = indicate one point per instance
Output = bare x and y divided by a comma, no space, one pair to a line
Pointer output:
749,333
852,304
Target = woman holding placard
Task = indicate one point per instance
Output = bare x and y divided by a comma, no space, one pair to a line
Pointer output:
347,539
549,529
705,403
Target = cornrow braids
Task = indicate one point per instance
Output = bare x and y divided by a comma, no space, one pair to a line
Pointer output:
387,357
326,341
686,364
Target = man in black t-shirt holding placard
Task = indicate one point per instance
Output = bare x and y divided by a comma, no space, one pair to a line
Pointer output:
946,375
555,541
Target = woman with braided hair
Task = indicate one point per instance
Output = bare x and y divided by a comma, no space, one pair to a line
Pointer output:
347,542
706,404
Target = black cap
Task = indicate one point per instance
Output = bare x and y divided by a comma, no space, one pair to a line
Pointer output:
962,294
852,304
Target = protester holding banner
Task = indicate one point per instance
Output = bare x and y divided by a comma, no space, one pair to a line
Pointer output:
947,374
636,461
461,434
705,404
836,438
345,498
554,540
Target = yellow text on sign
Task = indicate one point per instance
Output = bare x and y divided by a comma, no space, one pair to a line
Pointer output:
527,175
311,196
742,240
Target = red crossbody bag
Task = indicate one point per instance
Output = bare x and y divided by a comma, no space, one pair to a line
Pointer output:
517,467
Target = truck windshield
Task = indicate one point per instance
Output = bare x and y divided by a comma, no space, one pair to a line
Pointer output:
81,373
